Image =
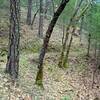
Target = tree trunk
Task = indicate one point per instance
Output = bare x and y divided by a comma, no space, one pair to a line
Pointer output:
49,7
81,27
89,43
67,33
63,28
53,7
34,18
95,51
46,40
46,8
65,61
12,65
37,4
29,12
40,30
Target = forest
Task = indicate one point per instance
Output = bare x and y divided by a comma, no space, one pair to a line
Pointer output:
49,49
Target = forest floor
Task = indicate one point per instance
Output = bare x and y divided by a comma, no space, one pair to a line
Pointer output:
79,81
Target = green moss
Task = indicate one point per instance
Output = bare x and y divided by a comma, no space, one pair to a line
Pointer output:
39,78
65,65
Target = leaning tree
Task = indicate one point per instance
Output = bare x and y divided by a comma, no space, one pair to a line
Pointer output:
46,41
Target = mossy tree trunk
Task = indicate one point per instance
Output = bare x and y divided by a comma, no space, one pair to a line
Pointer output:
39,77
71,22
65,60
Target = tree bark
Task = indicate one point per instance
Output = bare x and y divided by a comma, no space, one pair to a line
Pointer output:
12,65
49,6
63,27
34,18
53,7
65,59
40,30
95,51
29,12
46,40
71,22
89,43
81,27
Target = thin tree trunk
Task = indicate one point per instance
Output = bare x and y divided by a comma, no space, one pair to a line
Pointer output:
12,65
67,33
72,22
37,4
53,7
34,18
29,12
65,59
95,51
40,30
81,27
63,26
46,40
89,43
47,7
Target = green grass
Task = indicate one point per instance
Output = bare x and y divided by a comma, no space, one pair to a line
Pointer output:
31,46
